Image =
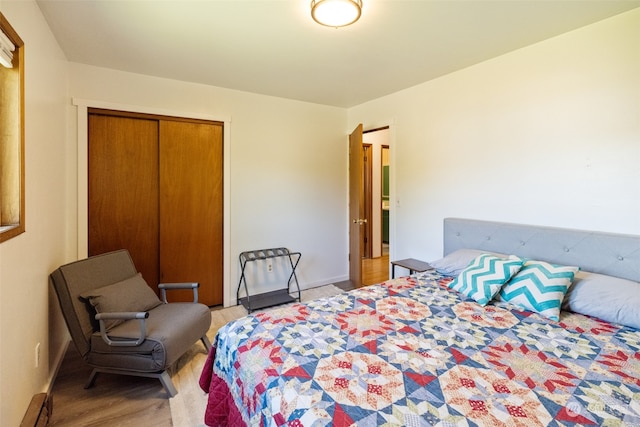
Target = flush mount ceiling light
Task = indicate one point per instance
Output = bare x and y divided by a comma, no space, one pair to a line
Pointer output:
336,13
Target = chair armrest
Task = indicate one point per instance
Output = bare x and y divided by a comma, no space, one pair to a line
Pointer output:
141,316
164,287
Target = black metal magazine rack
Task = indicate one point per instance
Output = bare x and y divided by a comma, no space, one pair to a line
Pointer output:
268,299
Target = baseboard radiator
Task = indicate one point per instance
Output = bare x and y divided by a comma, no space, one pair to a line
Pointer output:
38,412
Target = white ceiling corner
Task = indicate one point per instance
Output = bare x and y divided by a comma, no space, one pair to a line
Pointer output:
273,47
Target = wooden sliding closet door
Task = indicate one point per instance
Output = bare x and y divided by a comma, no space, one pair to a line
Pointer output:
123,190
155,188
191,223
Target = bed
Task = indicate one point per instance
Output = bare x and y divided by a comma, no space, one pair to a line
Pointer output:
427,349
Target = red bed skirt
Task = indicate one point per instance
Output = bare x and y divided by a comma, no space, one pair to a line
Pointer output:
221,410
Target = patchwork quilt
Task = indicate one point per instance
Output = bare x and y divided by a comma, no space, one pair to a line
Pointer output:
411,352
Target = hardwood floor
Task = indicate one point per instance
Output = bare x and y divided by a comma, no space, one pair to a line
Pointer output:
374,270
119,400
114,400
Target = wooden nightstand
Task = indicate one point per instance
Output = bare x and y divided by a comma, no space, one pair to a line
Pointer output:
413,265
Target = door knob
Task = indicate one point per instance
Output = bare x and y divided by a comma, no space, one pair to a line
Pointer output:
359,221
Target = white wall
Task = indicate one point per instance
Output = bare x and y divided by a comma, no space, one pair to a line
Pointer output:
548,134
287,166
27,316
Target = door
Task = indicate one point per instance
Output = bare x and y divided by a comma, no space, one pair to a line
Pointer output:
191,225
155,188
356,206
123,190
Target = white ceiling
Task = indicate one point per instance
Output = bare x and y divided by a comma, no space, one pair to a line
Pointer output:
273,47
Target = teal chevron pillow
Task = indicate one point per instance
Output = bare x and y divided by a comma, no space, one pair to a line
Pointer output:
539,287
485,275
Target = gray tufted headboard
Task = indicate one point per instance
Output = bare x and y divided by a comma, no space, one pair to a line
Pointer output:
605,253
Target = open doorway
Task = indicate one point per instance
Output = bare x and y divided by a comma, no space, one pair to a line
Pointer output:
375,262
367,193
385,204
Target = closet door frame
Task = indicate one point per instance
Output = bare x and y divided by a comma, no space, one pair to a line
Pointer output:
83,106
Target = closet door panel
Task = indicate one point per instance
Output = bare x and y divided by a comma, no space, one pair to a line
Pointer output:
123,190
191,211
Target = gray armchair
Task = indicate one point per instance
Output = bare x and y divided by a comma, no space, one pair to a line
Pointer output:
119,325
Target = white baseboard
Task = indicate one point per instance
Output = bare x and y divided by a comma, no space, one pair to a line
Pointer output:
57,363
329,281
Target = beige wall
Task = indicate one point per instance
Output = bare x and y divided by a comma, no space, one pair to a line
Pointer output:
286,179
26,314
286,167
546,135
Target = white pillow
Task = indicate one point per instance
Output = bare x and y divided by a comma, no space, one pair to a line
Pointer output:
456,261
608,298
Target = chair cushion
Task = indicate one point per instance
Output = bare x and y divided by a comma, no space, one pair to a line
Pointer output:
73,279
129,295
171,330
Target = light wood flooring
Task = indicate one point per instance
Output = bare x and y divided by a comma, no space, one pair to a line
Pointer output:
118,400
114,400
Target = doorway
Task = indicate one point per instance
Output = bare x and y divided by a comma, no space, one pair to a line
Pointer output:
367,174
375,261
386,206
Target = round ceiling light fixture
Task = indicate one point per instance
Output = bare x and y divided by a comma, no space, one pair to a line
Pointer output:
336,13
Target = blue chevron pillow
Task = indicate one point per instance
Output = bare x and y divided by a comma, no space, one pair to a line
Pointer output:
485,275
539,287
